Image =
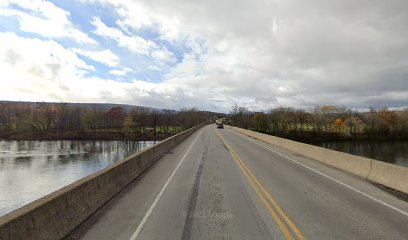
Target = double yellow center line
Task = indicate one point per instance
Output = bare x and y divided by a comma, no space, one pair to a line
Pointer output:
283,221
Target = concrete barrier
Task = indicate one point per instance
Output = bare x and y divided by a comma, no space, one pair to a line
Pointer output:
392,176
389,175
57,214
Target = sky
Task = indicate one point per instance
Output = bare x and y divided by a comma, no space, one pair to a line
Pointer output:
209,54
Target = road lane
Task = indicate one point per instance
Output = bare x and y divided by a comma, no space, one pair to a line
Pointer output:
207,198
322,208
281,219
219,184
119,218
156,200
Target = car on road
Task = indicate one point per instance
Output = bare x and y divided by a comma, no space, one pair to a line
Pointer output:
220,125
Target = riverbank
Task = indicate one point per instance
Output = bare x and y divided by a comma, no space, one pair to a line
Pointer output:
105,136
314,136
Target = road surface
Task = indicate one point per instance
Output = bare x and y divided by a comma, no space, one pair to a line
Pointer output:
219,184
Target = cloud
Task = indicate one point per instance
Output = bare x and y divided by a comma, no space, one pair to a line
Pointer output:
43,70
163,54
42,67
258,54
269,53
106,56
134,43
45,19
11,57
121,72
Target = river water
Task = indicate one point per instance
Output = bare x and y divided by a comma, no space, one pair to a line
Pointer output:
32,169
395,152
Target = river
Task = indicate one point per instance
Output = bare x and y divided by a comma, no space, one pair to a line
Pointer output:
32,169
395,152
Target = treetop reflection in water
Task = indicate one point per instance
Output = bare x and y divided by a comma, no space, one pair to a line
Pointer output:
32,169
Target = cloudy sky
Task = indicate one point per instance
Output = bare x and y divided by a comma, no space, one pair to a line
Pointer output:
208,54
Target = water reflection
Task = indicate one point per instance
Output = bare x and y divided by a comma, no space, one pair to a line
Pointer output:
395,152
32,169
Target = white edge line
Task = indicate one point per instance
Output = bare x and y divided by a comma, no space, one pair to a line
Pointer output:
333,179
146,216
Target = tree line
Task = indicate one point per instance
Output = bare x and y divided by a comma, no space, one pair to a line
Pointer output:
328,121
62,121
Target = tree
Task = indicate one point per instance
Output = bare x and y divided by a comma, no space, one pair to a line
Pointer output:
114,118
168,117
402,123
389,117
354,124
154,120
5,118
129,124
74,120
261,122
91,120
281,118
62,117
189,117
234,115
143,117
339,123
301,119
47,115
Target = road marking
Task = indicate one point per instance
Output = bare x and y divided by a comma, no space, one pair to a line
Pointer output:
270,198
146,216
324,175
259,190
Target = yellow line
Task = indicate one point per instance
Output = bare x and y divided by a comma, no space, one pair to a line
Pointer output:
247,171
270,198
281,225
281,212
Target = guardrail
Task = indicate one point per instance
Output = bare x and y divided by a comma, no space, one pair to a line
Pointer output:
389,175
57,214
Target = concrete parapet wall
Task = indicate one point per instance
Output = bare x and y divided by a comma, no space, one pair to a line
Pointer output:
392,176
57,214
389,175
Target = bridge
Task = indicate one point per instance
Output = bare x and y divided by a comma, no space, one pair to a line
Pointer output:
224,184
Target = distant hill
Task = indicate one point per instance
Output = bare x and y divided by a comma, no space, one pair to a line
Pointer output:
95,106
106,106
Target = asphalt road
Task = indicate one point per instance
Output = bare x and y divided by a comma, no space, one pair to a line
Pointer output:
219,184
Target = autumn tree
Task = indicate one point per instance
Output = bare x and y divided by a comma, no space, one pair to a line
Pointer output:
91,119
129,124
114,118
402,124
388,117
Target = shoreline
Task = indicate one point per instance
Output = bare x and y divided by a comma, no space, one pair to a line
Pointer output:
316,137
309,137
87,136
